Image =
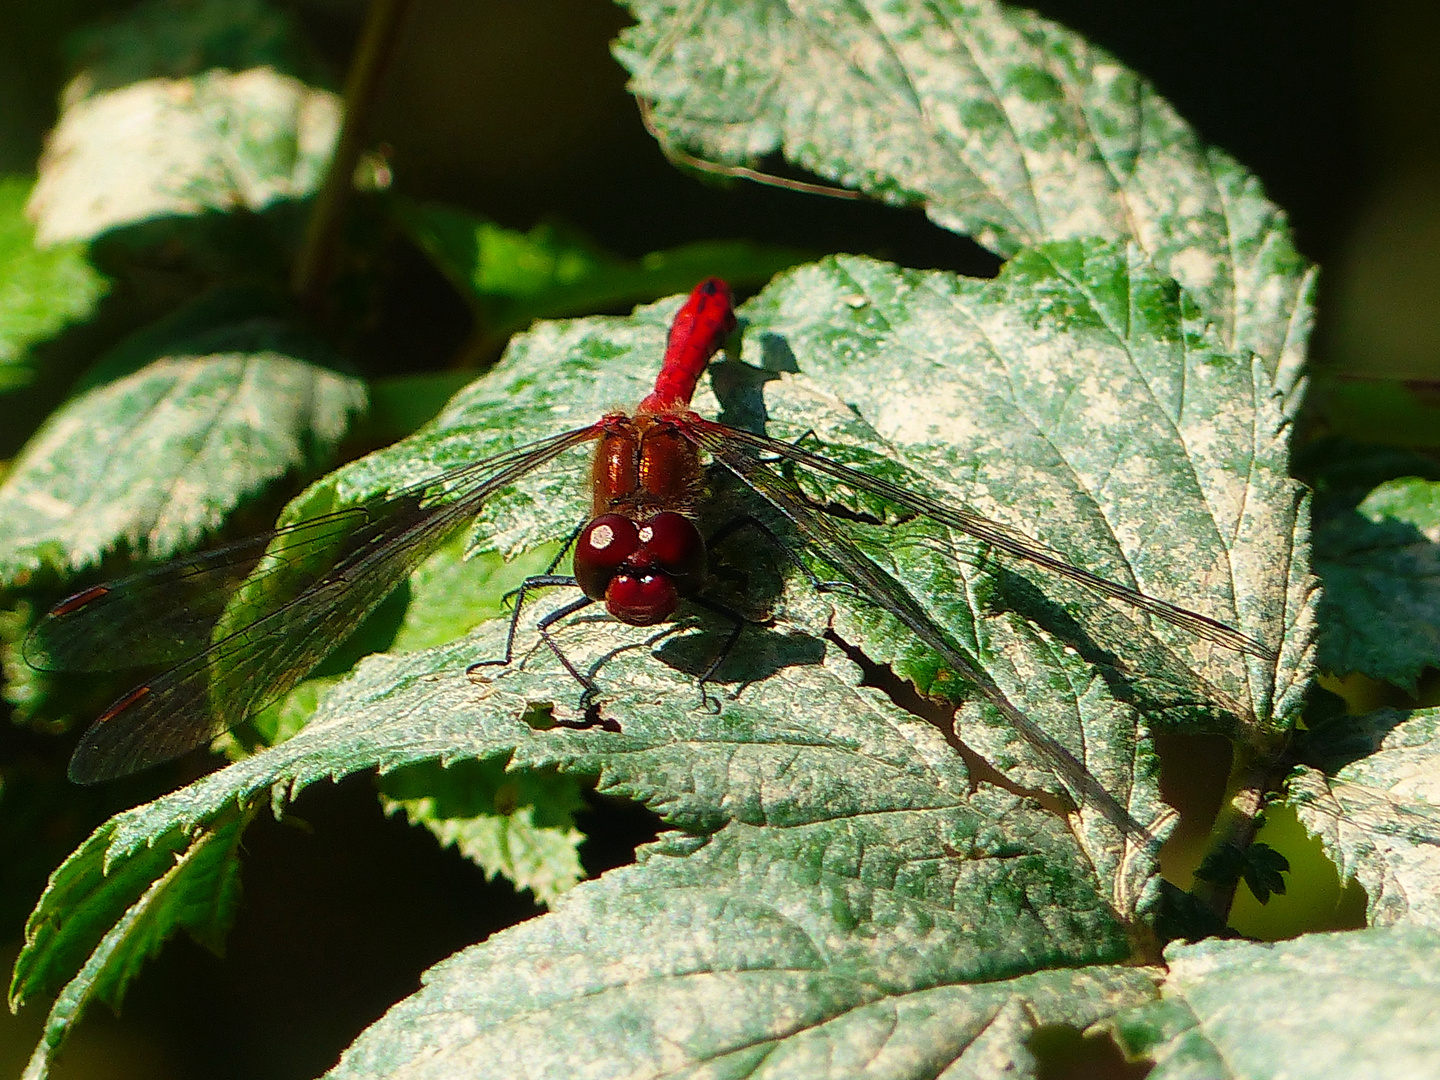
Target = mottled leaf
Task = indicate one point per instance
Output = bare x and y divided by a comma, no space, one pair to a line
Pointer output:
870,792
1325,1005
999,123
154,461
218,141
1375,804
519,825
1081,399
832,950
1380,563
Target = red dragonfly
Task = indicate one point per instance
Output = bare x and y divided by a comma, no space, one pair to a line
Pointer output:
640,555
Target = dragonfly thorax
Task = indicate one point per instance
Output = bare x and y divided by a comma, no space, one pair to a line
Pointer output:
640,554
643,464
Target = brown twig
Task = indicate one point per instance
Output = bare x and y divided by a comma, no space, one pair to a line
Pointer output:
377,43
680,157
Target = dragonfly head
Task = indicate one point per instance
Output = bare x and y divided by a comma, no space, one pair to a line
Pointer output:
640,569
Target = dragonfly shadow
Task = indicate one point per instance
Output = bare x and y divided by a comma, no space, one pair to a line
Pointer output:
740,388
1136,667
760,653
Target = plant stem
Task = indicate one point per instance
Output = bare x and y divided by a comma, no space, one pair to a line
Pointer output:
1236,825
377,43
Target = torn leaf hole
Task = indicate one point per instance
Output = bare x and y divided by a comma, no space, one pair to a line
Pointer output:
1064,1053
941,715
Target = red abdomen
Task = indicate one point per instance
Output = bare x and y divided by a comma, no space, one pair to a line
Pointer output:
700,328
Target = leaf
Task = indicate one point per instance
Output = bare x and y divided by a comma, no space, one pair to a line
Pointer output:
519,825
1198,434
218,141
1000,123
1264,871
154,461
967,880
1260,865
41,292
1374,804
1324,1005
874,784
1045,399
823,952
194,886
1380,562
451,595
513,278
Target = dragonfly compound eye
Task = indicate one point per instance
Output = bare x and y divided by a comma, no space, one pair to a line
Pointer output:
671,542
641,600
601,548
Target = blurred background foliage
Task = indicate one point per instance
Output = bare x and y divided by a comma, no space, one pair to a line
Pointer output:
514,111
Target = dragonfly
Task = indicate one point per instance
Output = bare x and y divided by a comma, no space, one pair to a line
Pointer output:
641,555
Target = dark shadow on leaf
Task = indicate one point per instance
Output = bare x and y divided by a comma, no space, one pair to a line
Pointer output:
1136,667
760,653
740,388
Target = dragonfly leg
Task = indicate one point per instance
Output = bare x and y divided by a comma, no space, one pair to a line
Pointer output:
542,580
565,547
590,690
539,581
706,701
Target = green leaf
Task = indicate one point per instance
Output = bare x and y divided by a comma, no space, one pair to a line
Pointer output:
1380,562
1325,1005
816,795
1026,383
519,825
1374,804
1260,865
218,141
190,884
513,278
829,951
1264,871
41,292
154,461
999,882
450,595
1000,123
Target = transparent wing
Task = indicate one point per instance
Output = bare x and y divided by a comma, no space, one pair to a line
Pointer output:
713,437
737,451
309,586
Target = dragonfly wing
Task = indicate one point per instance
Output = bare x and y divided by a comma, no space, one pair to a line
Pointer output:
163,614
833,546
298,606
985,529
